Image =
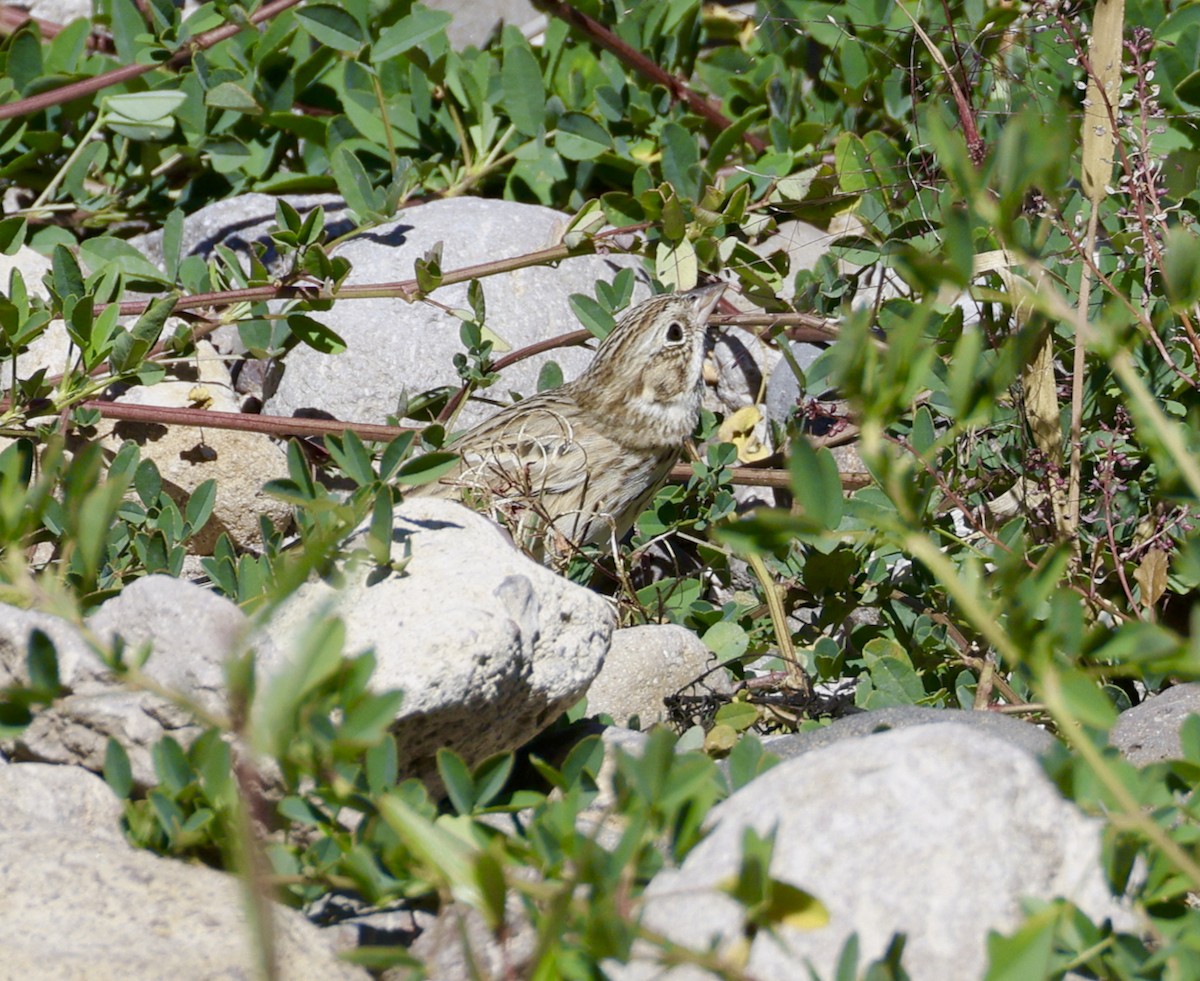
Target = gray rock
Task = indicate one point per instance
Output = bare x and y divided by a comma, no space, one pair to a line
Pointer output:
186,456
394,346
892,833
240,224
646,664
78,908
459,945
1149,732
78,666
474,22
783,388
52,349
75,730
488,646
1021,734
38,796
191,633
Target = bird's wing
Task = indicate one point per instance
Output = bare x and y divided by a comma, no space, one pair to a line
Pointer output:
531,449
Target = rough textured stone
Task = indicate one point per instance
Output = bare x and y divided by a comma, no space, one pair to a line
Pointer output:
487,646
393,346
191,632
646,664
1021,734
38,796
78,908
1149,732
51,349
459,945
75,731
240,462
936,831
475,22
783,388
78,666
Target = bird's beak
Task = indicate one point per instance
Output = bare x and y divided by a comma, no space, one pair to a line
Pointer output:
704,300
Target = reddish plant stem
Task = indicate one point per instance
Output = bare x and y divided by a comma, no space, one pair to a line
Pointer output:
644,66
12,19
285,426
282,426
89,86
404,288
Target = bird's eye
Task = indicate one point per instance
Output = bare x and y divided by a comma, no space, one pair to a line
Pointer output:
674,332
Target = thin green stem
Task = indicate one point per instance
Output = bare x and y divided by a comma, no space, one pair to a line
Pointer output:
387,123
57,179
1133,815
1167,431
982,619
787,650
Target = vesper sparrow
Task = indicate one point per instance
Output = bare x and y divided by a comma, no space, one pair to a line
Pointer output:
586,457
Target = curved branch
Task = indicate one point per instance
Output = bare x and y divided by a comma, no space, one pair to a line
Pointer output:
184,54
631,57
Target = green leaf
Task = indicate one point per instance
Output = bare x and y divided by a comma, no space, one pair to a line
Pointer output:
435,846
581,138
230,95
12,236
1086,702
147,482
315,334
460,786
681,160
408,32
549,376
300,811
1182,267
352,456
1027,953
675,266
367,723
426,468
894,680
521,80
792,907
332,26
491,776
1139,643
200,504
66,277
145,107
107,251
130,348
853,163
379,531
394,454
354,185
739,716
41,661
489,878
727,640
118,774
816,484
592,315
382,763
171,765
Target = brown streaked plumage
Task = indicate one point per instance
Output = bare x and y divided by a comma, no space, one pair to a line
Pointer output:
589,455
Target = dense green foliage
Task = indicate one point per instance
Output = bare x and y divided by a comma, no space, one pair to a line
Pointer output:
1026,538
